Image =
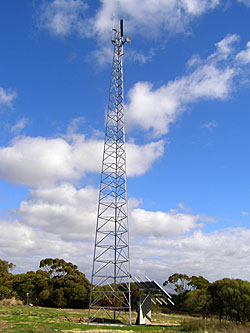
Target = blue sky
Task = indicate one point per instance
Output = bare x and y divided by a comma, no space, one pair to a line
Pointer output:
186,80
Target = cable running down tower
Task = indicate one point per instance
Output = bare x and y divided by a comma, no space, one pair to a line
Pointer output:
110,282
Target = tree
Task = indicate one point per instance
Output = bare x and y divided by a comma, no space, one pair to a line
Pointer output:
57,283
5,267
67,286
189,292
6,279
74,291
182,283
26,285
198,282
230,299
57,267
197,302
178,282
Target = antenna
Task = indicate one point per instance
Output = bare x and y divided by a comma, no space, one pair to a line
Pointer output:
121,27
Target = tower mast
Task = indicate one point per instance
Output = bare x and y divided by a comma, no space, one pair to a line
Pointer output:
110,282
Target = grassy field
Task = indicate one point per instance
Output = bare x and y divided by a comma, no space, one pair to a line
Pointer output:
37,319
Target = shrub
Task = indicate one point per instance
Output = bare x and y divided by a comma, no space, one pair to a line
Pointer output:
11,301
5,292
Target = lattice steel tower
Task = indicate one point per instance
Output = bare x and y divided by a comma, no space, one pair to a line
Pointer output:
110,283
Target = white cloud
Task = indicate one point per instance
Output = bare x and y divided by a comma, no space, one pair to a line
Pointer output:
61,17
213,255
62,210
244,56
155,110
161,223
20,125
102,55
41,161
245,213
141,158
26,245
60,222
225,48
210,125
152,18
75,124
139,56
6,98
161,17
184,207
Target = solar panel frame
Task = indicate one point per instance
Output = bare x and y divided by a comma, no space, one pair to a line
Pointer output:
153,287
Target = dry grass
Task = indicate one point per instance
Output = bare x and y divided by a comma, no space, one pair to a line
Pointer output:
213,325
11,301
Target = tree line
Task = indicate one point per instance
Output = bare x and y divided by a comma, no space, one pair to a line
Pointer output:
225,298
58,283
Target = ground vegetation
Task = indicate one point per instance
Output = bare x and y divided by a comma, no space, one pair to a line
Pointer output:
59,284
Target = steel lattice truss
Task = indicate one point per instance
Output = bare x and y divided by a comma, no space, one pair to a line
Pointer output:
110,285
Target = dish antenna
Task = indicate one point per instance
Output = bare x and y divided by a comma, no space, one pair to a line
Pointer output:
127,39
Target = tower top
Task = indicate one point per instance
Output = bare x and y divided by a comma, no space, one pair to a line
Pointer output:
121,34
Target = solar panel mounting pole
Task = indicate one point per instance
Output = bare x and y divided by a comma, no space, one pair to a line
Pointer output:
110,281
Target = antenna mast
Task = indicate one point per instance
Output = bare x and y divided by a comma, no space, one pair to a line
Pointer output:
110,282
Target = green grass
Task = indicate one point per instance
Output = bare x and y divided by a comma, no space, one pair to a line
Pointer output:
43,320
38,319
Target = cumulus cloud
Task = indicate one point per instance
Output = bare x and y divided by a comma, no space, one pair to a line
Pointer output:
39,161
60,222
214,255
61,210
7,97
161,223
57,220
141,158
155,110
26,245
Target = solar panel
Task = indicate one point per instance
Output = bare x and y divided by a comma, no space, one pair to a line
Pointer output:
154,289
152,292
